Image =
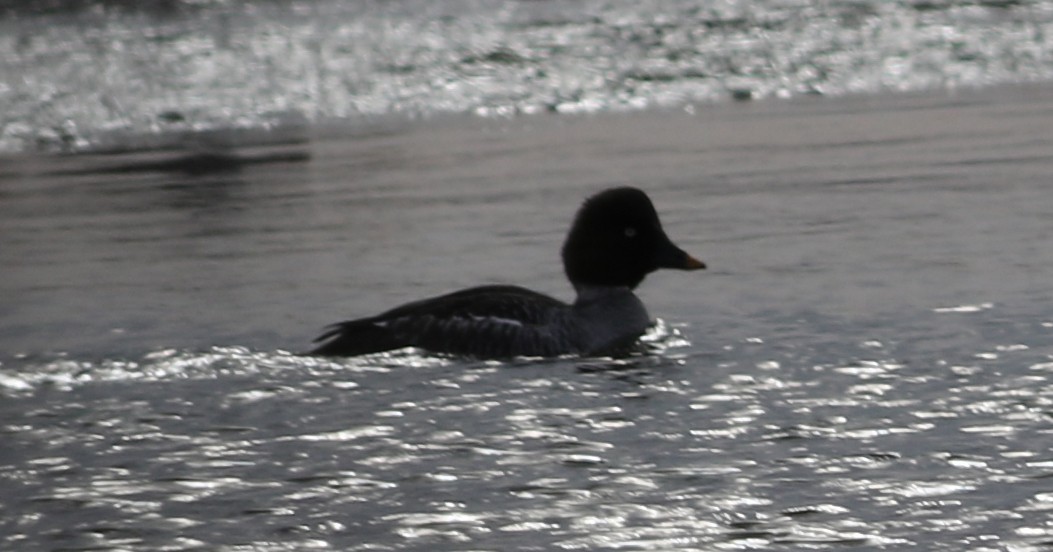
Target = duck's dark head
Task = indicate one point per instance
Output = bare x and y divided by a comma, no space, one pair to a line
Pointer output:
617,240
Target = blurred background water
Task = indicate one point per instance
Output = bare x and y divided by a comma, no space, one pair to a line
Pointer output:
191,190
74,75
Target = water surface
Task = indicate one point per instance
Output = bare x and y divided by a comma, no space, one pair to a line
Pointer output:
866,365
111,74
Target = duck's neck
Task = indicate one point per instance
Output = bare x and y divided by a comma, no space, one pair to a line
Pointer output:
608,315
588,293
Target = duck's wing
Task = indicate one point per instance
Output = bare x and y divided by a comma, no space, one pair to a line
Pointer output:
485,322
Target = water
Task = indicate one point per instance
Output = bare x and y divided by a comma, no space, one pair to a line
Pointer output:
111,74
865,365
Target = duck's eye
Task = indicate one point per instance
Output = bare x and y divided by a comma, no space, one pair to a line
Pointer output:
630,232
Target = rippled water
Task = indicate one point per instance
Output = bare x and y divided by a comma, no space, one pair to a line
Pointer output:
119,75
866,365
756,444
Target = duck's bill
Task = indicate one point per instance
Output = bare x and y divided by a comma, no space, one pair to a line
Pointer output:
673,257
691,263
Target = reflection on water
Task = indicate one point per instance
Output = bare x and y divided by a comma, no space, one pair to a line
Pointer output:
108,74
758,445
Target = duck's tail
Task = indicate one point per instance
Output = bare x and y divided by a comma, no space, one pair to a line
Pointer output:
356,337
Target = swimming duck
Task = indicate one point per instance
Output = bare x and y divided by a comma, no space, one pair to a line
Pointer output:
616,240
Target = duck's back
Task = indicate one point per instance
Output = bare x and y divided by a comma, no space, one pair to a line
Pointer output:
487,321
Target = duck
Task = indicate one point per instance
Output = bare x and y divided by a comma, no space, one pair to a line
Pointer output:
614,242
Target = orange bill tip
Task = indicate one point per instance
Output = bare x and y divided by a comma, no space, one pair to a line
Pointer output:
691,263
